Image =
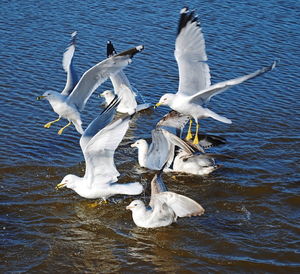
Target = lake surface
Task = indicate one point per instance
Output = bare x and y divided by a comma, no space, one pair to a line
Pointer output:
252,218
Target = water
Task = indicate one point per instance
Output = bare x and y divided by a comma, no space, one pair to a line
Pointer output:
252,204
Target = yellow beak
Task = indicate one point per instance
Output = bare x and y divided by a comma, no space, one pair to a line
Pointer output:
157,105
40,97
129,207
60,185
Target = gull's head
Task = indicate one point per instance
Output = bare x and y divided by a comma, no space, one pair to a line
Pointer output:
166,99
68,181
107,93
135,205
139,143
49,94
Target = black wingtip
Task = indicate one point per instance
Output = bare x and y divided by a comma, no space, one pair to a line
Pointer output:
110,50
113,104
73,38
131,52
186,16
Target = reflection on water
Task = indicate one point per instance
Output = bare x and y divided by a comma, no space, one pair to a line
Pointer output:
251,222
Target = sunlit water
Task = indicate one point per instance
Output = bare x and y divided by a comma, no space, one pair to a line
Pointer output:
251,223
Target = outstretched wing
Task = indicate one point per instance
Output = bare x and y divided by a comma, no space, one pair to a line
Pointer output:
99,152
181,205
157,186
160,150
176,141
68,67
121,85
173,122
96,75
190,55
103,119
205,95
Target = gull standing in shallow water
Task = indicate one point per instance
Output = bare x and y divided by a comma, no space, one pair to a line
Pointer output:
190,159
69,106
164,207
195,89
98,144
122,88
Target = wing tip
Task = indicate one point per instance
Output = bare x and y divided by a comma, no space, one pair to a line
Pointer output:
131,52
140,48
186,16
110,50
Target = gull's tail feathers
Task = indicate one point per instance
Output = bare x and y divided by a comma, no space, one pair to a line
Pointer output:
217,117
78,126
128,189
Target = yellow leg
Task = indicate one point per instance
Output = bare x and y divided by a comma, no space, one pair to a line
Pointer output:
97,203
189,135
93,205
196,140
62,129
52,122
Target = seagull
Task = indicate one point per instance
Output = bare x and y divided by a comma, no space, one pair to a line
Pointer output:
161,151
195,89
98,144
122,88
70,106
164,207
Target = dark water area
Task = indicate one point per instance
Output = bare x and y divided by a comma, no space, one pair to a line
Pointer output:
252,218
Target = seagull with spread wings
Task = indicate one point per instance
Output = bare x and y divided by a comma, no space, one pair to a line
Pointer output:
98,144
164,206
195,89
122,88
69,105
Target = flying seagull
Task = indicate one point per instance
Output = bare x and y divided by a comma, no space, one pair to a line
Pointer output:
195,89
69,106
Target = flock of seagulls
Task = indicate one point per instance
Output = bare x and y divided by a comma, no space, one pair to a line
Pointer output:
168,150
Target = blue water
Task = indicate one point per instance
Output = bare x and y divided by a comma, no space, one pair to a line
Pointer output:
252,204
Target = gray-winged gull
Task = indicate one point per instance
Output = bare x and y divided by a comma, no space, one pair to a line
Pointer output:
164,207
70,106
98,143
195,89
122,88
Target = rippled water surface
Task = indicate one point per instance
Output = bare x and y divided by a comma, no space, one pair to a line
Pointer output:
252,218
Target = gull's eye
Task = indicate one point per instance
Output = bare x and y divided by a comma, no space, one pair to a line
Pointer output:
135,204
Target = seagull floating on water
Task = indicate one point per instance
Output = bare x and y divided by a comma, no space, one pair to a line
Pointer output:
98,144
70,105
122,88
164,207
161,151
195,89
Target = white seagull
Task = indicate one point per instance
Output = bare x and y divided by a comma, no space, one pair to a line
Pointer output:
195,89
161,151
122,88
98,143
70,106
164,207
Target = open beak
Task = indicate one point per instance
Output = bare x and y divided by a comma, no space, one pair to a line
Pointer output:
60,185
157,105
40,97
